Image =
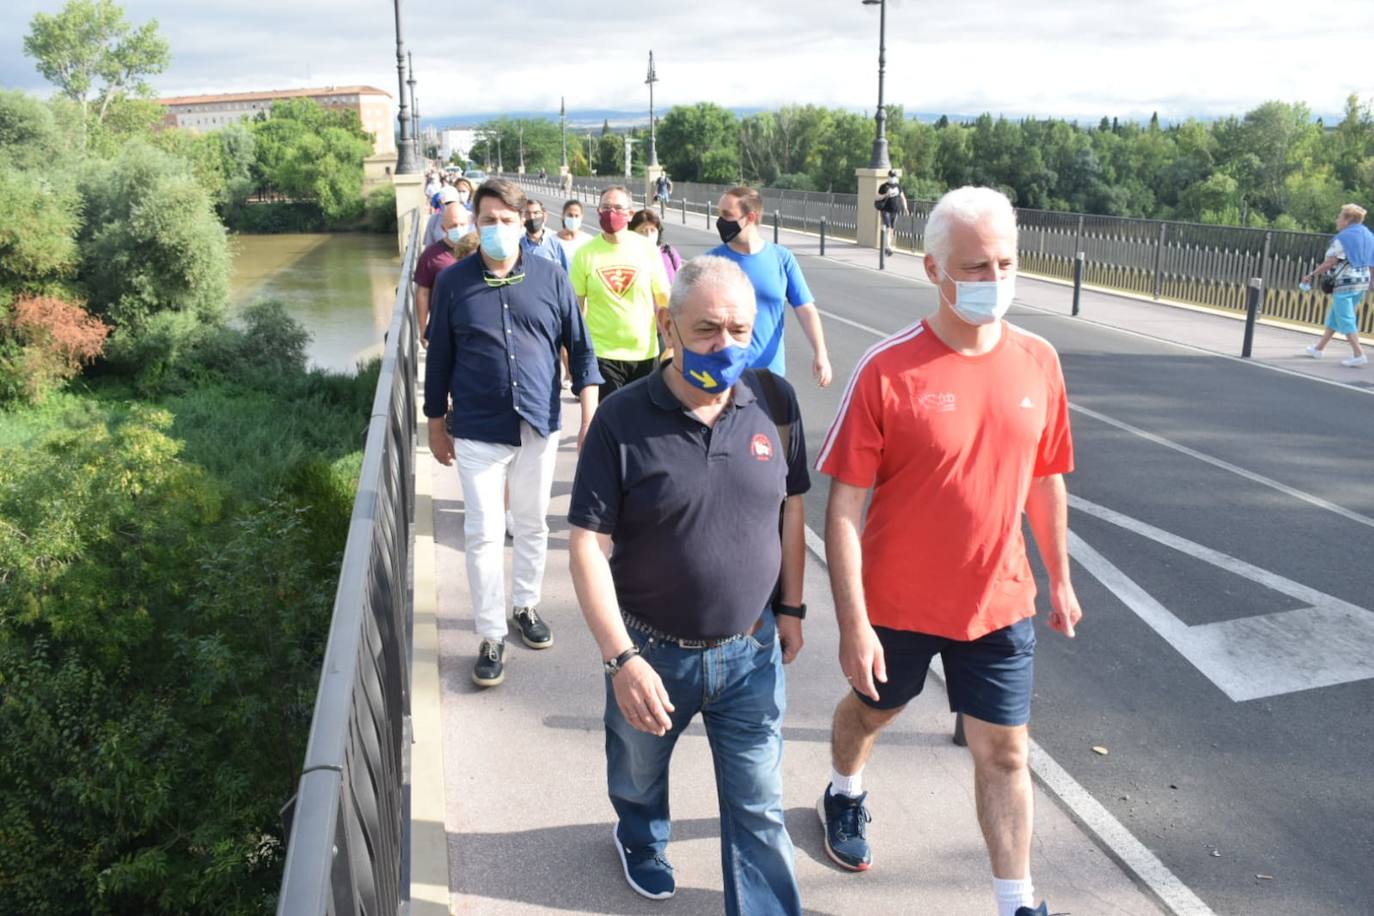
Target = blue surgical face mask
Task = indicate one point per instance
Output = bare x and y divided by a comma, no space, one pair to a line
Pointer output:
500,242
983,301
713,372
572,223
455,234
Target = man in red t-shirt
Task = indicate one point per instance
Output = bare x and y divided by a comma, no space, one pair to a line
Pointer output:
457,222
956,425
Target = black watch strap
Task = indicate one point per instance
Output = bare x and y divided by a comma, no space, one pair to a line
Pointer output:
789,610
613,666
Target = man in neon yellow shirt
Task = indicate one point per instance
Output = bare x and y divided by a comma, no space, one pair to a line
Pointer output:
618,278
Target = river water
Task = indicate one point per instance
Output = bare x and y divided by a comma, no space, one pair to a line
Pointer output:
340,286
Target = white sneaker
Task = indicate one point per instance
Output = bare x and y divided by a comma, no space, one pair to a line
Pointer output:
1355,362
1312,351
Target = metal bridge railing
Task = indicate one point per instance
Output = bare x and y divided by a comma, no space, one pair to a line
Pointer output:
346,823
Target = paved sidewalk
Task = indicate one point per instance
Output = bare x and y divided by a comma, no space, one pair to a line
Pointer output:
529,824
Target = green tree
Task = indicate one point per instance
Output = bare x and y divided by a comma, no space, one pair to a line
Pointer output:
691,136
30,137
151,242
38,224
89,47
305,151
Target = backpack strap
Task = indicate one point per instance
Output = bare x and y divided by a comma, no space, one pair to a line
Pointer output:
777,407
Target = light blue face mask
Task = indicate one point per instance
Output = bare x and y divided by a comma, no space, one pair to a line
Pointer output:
456,233
572,223
980,302
500,242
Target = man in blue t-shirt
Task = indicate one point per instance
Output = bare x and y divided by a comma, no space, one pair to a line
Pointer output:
777,280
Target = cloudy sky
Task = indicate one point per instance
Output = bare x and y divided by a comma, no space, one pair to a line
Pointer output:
1073,58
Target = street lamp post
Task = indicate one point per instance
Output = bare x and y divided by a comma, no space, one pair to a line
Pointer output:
415,112
522,148
591,166
653,139
499,167
880,159
405,155
563,130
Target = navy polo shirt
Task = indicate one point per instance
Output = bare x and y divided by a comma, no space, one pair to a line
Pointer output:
692,510
494,349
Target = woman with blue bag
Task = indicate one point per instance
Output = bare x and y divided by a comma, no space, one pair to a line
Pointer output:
1348,260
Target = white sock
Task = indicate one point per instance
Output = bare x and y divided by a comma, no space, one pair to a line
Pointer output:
1013,893
853,786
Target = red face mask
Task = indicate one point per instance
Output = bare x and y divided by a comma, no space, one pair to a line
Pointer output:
613,220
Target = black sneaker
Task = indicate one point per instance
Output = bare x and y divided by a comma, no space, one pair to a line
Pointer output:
648,874
1041,910
845,821
490,670
533,630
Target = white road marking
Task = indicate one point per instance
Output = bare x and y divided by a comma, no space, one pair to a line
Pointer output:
1226,466
1181,449
1248,658
1133,855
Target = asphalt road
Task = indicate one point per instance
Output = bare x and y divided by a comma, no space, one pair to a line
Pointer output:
1221,790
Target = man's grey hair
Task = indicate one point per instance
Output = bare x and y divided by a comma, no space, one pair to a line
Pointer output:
712,271
968,205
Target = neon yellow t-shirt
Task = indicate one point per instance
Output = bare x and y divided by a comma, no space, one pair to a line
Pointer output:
623,285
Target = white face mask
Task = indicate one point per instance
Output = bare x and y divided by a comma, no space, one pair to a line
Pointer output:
980,302
652,237
572,223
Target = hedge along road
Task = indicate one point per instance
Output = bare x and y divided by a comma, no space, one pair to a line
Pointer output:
1222,657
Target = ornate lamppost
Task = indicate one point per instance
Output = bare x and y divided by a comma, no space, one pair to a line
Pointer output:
653,139
880,159
405,154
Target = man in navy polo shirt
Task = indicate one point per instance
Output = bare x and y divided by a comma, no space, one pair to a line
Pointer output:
680,572
497,324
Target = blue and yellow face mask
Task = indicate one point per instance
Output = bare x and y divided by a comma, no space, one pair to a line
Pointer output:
715,371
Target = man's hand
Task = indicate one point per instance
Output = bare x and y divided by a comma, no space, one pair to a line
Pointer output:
820,369
1065,612
440,445
862,660
790,635
642,698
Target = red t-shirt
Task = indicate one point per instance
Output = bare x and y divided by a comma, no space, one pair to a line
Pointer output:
432,260
949,445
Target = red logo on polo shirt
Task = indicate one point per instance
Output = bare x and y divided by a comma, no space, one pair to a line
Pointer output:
618,279
761,447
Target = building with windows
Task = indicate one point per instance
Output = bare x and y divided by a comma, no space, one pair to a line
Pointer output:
373,106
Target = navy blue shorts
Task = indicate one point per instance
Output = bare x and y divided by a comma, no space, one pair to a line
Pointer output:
988,678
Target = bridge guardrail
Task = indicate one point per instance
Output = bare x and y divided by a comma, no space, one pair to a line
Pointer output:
1196,263
346,823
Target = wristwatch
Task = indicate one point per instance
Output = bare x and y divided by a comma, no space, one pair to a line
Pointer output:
787,610
614,665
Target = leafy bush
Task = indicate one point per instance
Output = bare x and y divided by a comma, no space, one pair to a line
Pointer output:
151,242
381,209
275,217
162,622
50,341
38,225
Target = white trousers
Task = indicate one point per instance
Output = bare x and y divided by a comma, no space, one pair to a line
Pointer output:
484,468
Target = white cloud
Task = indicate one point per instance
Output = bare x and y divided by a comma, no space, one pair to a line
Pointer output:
1074,58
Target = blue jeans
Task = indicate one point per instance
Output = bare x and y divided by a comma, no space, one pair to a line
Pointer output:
740,692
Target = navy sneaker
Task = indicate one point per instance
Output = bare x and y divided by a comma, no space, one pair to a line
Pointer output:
490,669
533,630
845,821
1041,910
648,874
